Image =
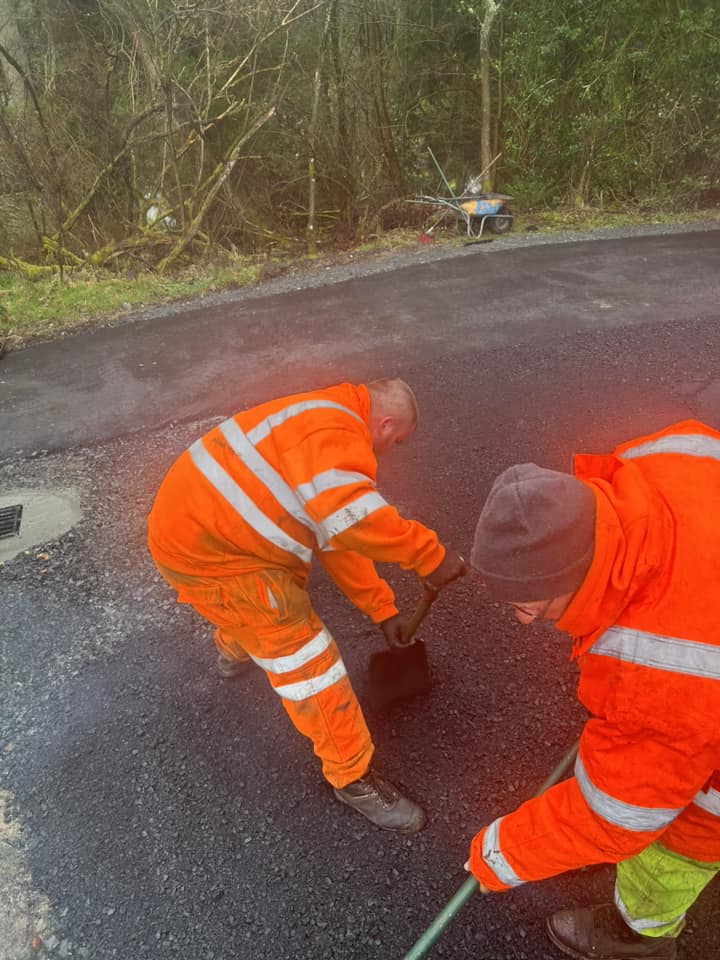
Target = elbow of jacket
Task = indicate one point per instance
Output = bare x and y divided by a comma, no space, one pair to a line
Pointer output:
618,844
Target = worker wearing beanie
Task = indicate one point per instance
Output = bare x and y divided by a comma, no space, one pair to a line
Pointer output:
625,557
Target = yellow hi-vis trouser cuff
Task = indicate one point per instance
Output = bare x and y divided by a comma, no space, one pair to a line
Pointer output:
655,889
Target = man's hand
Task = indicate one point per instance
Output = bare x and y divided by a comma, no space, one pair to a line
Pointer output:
451,567
394,630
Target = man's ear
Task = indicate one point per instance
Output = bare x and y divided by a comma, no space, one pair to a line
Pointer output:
387,423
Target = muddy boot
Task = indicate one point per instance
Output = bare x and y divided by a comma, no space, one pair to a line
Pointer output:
229,668
600,933
382,804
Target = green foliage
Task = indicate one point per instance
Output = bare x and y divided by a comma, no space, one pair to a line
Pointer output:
47,306
612,98
112,108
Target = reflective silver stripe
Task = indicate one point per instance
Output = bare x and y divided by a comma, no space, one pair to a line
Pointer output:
662,653
329,480
639,925
239,500
308,688
692,444
709,801
271,599
349,515
493,856
618,812
265,473
313,648
263,428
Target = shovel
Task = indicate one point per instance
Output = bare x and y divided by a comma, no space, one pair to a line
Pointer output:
402,672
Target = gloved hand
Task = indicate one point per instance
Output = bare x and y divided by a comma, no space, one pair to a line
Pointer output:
451,567
393,628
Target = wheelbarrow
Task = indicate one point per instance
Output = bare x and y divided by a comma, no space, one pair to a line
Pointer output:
473,208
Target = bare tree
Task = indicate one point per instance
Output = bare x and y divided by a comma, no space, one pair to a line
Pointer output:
194,86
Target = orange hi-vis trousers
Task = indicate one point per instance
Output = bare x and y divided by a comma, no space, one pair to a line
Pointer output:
267,615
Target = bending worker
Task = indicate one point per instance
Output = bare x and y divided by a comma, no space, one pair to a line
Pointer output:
625,557
234,528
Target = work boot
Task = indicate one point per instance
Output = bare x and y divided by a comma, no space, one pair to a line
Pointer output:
600,933
228,667
382,804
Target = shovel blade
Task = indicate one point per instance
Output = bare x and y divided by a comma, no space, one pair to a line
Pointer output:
399,674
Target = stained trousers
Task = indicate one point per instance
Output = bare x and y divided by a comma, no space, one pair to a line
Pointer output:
267,616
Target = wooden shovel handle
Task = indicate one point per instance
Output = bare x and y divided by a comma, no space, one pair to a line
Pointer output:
426,601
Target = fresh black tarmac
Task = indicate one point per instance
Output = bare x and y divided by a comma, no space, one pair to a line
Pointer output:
153,810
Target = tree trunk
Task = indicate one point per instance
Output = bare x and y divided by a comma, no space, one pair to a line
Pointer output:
382,114
345,164
10,80
312,133
491,8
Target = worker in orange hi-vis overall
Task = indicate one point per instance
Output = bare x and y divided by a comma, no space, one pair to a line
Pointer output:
235,525
625,557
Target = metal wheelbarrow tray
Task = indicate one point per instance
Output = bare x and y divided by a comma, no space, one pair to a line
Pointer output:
473,208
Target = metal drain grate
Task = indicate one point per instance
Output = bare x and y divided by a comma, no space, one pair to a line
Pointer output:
10,518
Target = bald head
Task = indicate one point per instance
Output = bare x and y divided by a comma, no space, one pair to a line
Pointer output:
393,413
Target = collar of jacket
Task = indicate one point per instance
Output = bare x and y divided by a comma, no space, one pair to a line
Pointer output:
634,535
363,402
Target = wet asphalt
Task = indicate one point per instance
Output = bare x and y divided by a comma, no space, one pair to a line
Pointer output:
153,810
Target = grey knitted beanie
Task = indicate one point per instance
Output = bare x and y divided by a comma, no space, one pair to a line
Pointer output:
536,534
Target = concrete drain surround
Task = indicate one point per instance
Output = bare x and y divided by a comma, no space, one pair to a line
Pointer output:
46,515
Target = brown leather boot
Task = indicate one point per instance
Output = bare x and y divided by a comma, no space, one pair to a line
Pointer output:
382,804
600,933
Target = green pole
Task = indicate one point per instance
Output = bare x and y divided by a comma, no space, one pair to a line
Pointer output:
461,897
436,928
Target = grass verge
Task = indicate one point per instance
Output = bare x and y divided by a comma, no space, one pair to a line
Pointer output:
48,308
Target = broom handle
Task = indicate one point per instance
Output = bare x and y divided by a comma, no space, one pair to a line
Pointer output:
426,601
461,897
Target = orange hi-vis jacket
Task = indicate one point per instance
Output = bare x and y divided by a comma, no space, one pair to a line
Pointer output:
646,628
273,485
